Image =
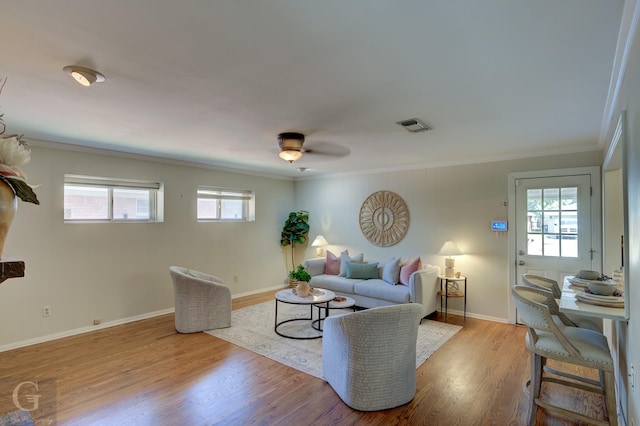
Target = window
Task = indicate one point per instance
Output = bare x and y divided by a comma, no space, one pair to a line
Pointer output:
97,199
221,204
552,221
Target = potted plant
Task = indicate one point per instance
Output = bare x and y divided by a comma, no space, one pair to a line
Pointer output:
299,278
299,274
295,231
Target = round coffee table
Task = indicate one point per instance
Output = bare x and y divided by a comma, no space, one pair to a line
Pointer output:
347,303
319,296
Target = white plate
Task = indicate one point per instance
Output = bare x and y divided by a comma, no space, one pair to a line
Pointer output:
578,282
599,297
581,282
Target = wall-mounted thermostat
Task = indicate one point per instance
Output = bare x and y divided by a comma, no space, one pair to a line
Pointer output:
499,225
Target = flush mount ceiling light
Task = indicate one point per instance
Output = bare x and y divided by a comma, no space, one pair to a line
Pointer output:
290,146
84,76
413,125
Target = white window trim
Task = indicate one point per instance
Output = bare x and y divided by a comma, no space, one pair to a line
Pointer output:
156,202
247,196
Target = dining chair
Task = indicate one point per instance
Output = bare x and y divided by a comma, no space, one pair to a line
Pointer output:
551,286
571,345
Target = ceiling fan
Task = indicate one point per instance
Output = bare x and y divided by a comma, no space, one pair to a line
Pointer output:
291,148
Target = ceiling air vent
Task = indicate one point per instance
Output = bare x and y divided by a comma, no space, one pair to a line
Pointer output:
413,125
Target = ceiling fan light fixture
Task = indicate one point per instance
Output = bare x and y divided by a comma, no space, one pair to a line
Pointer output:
84,76
290,155
290,146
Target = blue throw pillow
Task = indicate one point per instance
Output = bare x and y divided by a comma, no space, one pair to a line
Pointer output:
391,271
363,271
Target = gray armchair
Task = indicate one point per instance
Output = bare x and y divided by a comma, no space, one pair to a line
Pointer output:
369,357
202,301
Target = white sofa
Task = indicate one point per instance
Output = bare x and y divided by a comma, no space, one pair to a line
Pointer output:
370,293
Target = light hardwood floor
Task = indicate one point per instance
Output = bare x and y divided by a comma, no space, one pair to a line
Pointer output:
145,373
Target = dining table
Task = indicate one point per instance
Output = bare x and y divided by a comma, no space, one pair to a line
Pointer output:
569,304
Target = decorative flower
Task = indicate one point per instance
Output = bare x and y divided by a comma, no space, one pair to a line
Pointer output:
15,152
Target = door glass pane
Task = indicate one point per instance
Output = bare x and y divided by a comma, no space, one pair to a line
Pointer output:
551,245
534,246
552,222
569,199
551,199
534,199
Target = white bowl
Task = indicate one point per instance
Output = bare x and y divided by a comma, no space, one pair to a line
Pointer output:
588,275
602,288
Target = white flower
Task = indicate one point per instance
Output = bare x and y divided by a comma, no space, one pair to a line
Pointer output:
13,152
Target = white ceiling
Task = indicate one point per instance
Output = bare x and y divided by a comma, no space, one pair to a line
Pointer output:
215,81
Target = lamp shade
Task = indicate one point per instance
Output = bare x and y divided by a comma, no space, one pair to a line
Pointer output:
450,249
320,241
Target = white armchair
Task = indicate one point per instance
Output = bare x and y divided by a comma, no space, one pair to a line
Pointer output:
369,357
202,301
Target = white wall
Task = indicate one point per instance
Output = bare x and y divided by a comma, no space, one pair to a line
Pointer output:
629,333
119,271
456,203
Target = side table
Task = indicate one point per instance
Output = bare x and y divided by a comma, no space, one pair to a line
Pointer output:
347,303
449,288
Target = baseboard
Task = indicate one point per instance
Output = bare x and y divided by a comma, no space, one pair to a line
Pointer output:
262,290
477,316
109,324
82,330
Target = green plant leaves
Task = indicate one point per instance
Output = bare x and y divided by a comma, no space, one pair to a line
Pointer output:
295,228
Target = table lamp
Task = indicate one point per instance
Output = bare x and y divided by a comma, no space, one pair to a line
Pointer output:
318,243
449,249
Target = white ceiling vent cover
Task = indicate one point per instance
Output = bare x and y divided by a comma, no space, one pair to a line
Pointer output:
413,125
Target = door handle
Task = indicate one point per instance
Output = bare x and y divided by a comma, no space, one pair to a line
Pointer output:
520,262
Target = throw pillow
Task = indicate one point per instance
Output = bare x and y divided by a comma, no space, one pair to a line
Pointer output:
344,258
363,271
409,268
391,271
332,264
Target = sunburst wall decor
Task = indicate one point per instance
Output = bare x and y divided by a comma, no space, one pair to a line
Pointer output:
384,218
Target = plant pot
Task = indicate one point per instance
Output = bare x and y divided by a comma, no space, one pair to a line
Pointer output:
293,283
303,289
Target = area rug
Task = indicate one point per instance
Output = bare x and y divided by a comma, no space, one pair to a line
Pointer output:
16,418
252,329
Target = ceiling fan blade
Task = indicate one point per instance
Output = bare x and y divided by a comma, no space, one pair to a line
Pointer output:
326,149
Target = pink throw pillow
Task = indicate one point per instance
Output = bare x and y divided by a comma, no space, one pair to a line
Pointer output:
409,268
332,264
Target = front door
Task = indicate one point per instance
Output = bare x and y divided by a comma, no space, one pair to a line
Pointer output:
556,218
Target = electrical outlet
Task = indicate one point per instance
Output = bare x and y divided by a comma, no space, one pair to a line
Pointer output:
235,278
97,321
46,311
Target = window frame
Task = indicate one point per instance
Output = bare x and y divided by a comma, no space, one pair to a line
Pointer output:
155,189
207,192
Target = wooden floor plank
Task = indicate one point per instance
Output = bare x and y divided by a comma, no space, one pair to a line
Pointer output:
145,373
